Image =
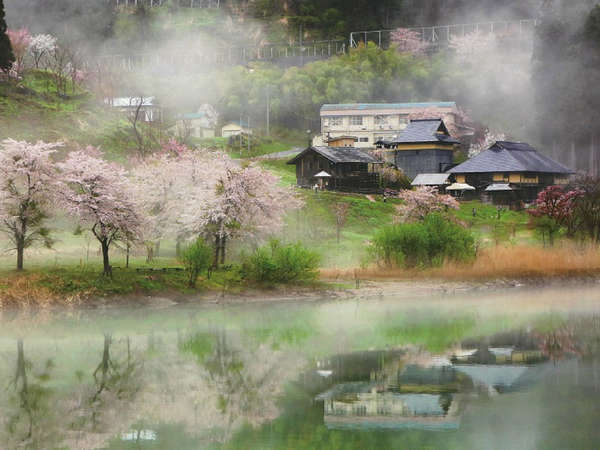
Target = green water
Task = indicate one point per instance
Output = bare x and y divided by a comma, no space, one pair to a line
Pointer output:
518,369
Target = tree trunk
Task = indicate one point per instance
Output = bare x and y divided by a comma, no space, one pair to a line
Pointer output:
20,251
217,251
157,249
223,243
106,263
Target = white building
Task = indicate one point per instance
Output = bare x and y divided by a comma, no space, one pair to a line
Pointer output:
371,122
146,107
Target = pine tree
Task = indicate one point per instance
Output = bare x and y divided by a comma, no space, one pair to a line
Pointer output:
6,54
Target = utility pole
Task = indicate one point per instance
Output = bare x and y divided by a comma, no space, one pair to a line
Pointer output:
268,110
248,135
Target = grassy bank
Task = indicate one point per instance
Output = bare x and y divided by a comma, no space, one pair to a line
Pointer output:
492,263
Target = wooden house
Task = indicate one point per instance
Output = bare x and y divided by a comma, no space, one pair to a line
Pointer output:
425,146
235,129
146,108
349,169
510,172
201,124
341,141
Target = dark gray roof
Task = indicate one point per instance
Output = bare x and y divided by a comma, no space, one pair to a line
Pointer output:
423,131
506,156
340,155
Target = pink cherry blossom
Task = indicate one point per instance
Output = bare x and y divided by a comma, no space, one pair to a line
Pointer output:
27,188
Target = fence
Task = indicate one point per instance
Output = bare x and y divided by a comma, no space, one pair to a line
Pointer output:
225,56
443,34
157,3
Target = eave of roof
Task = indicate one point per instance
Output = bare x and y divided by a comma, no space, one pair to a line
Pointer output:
339,155
367,106
508,157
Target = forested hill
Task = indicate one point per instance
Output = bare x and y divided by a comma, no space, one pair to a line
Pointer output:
96,20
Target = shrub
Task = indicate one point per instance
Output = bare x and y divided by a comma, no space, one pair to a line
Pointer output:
196,258
426,243
277,263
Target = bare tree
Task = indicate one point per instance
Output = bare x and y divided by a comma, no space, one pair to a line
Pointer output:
341,210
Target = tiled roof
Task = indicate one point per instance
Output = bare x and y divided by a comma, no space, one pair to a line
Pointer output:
423,131
340,155
363,106
510,157
430,179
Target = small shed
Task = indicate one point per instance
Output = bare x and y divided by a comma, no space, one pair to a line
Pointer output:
235,129
351,170
439,180
341,141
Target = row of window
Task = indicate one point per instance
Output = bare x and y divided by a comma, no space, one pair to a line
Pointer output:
338,121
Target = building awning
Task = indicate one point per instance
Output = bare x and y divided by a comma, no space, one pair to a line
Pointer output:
431,179
496,187
460,187
322,174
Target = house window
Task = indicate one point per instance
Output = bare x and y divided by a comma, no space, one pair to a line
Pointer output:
335,121
356,120
381,120
363,139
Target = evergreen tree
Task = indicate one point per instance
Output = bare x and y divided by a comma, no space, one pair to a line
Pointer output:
6,54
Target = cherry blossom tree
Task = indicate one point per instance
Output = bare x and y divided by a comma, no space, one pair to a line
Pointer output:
559,205
27,187
96,193
19,41
424,201
488,139
408,41
244,202
472,45
41,45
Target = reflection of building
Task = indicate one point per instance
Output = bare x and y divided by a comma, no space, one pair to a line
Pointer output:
378,390
372,122
503,363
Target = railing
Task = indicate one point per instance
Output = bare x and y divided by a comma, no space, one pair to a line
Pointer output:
441,34
226,56
157,3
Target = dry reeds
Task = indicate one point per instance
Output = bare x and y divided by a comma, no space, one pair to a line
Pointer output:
24,291
519,262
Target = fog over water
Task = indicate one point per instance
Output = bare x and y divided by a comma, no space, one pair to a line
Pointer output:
512,369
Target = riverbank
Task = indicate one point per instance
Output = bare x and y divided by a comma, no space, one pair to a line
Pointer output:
494,268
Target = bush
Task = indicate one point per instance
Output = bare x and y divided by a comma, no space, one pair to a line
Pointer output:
196,258
426,243
277,263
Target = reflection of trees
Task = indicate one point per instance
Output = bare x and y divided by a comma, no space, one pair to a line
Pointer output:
29,416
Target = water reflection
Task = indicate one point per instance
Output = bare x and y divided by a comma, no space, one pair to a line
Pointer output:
298,377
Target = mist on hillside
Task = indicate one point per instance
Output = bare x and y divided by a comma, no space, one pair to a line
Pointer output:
190,56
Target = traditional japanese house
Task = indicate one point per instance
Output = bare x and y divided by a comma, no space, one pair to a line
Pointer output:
510,172
437,180
350,169
425,146
341,141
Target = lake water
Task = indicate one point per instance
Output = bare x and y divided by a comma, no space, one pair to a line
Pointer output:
517,369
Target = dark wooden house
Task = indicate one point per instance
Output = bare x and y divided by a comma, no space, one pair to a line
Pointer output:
349,169
425,146
510,172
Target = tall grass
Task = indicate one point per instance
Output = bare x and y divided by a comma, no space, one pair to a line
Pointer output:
566,260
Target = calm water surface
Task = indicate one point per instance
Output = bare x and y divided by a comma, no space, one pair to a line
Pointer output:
518,369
